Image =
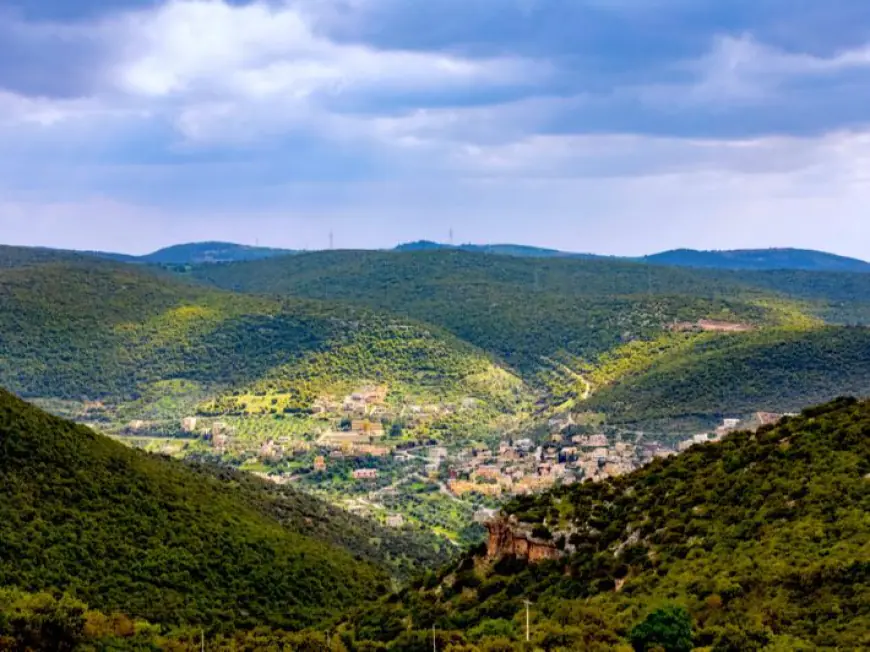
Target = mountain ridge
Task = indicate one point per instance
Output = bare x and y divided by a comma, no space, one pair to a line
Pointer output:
197,253
773,259
760,259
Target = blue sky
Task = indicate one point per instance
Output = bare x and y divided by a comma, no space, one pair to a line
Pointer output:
614,126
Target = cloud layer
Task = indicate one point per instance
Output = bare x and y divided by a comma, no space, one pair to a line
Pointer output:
620,126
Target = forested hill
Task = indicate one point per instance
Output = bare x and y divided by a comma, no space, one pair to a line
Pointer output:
599,328
195,253
98,330
702,379
146,536
19,257
520,309
760,259
737,259
759,542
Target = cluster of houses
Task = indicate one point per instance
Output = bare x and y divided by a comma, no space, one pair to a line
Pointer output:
522,467
515,467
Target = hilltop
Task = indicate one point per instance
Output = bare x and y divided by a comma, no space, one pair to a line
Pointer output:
737,259
760,259
756,542
197,253
496,249
151,538
22,257
773,259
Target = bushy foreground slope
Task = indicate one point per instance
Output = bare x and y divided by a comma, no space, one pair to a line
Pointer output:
144,535
760,542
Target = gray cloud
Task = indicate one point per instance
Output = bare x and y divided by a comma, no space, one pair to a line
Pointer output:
49,59
395,119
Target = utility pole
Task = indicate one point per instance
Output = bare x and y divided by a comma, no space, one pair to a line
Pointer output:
331,240
434,646
528,630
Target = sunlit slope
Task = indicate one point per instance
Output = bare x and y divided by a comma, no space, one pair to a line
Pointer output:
519,309
105,331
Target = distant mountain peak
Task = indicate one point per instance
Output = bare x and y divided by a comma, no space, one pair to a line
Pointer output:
778,258
196,253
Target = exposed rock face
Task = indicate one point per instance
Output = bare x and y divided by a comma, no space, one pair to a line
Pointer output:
507,539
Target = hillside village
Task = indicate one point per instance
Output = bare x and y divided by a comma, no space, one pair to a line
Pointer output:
383,459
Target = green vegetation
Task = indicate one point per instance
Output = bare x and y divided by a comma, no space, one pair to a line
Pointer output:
709,377
202,252
22,257
603,329
574,329
519,309
103,331
760,259
759,542
132,352
155,539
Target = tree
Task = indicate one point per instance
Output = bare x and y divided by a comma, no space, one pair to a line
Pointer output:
669,628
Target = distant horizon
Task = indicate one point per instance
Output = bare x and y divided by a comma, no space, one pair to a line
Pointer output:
619,127
271,246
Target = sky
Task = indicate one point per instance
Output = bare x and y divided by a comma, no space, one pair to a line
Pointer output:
608,126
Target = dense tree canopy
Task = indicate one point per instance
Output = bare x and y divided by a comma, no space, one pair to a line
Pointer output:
762,539
147,536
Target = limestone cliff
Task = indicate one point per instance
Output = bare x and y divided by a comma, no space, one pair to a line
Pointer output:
508,539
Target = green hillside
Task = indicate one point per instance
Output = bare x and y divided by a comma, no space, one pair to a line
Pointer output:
714,377
261,384
603,328
144,535
522,310
760,259
197,253
759,542
105,331
16,257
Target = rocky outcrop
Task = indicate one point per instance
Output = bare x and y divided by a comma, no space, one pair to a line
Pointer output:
508,539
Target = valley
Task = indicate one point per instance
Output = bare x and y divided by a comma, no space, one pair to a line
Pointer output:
417,388
370,416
